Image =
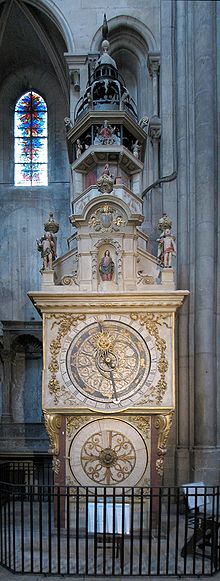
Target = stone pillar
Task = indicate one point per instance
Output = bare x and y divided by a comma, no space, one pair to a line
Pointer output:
205,457
154,68
182,135
6,392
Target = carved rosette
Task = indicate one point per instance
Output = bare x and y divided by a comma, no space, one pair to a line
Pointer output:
109,463
144,278
65,323
152,322
69,279
163,424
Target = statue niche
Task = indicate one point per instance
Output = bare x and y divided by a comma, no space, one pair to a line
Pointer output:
107,267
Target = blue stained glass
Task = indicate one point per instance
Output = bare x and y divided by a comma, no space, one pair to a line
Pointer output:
30,131
39,174
31,101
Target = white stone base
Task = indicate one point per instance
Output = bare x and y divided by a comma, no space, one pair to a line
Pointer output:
47,278
167,277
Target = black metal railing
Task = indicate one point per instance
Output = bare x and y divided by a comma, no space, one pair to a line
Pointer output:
108,531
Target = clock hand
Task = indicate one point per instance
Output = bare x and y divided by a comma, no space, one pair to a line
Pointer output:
114,387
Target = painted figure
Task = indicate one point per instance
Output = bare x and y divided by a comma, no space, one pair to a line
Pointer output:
166,248
46,245
106,266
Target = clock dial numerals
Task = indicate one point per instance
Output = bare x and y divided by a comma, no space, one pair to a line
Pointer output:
108,363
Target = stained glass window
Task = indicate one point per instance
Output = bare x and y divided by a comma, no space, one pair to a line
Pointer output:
30,139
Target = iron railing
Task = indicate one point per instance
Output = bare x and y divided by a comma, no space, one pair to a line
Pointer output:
68,530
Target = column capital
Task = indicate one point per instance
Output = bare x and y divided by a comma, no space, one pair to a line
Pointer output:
153,63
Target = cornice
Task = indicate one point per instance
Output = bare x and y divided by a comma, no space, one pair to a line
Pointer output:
59,300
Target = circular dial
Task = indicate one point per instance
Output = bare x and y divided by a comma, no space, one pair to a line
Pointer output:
107,452
108,363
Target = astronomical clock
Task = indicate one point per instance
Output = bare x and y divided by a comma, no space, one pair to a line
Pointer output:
108,305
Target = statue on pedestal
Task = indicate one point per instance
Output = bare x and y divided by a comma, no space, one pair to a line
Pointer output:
166,242
47,243
47,247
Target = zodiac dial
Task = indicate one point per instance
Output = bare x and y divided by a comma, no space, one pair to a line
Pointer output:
108,362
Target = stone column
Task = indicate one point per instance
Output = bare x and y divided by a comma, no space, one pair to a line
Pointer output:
205,390
154,138
6,390
182,134
154,68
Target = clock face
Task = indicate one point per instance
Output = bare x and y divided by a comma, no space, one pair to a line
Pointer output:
108,364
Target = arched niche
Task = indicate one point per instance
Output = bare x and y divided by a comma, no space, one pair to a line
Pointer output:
130,42
26,379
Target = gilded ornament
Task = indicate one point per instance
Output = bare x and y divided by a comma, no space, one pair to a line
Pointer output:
106,218
65,322
76,422
110,464
53,425
163,424
142,423
151,321
104,341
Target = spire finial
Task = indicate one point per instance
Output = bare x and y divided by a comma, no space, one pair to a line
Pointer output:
105,28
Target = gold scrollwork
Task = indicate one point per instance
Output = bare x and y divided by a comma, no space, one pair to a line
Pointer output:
65,323
76,422
142,423
163,424
53,425
151,322
108,460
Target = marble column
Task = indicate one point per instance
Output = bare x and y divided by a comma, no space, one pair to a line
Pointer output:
205,454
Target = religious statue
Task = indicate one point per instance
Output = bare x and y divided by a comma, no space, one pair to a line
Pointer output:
79,148
107,135
47,246
48,243
106,266
136,149
166,242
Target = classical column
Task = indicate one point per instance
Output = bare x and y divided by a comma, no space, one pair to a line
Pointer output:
205,389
